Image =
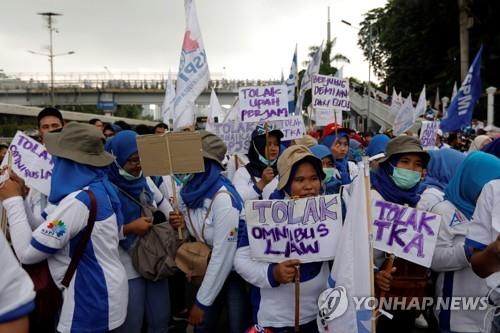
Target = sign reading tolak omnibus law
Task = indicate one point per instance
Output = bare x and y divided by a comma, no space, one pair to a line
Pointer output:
306,229
404,231
330,93
237,135
31,161
263,103
428,134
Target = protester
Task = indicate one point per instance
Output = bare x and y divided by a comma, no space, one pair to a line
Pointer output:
338,142
440,140
95,300
332,181
300,177
211,207
97,123
110,130
479,142
3,151
160,128
306,140
451,257
493,148
375,149
49,119
396,180
148,300
257,179
442,166
16,292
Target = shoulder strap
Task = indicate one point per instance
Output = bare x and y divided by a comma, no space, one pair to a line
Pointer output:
82,243
129,196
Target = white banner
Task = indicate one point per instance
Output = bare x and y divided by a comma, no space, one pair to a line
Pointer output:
306,229
330,93
30,161
263,103
428,134
325,117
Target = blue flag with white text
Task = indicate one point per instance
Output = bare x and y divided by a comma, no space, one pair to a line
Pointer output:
291,82
459,113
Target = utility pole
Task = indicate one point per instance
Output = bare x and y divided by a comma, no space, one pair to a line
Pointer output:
368,120
465,23
328,28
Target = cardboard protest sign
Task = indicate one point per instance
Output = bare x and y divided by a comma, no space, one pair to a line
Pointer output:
404,231
31,161
170,153
428,134
324,117
330,93
237,135
263,103
306,229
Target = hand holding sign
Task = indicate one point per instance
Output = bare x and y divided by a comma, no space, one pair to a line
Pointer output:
285,271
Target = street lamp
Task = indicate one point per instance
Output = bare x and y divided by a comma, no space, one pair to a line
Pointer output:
368,121
51,54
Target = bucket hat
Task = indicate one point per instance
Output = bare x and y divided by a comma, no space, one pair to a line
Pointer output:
292,155
213,147
405,144
82,143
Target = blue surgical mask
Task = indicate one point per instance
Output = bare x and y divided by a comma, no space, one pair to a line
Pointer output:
128,176
330,173
265,160
405,179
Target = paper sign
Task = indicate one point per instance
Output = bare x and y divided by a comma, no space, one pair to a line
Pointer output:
263,103
237,135
330,93
184,149
428,134
324,117
306,229
404,231
31,161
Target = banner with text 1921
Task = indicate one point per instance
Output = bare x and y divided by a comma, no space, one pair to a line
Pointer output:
404,231
31,161
263,103
330,93
307,229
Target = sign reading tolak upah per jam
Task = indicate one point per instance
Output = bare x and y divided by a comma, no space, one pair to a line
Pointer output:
258,104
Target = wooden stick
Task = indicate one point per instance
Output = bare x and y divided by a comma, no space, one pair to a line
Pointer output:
174,190
266,127
297,299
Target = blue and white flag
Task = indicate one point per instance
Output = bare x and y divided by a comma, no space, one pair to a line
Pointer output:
167,107
306,82
193,74
421,104
291,83
351,271
214,112
459,113
405,118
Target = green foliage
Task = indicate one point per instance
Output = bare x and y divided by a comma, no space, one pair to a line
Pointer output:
10,124
129,111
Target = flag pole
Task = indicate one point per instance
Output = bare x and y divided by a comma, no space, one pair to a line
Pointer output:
266,127
370,237
174,191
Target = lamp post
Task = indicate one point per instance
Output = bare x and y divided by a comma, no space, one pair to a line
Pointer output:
51,54
368,109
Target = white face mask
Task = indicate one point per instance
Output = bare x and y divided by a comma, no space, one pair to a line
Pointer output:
127,175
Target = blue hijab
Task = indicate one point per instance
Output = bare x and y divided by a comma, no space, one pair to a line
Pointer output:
382,182
493,148
122,146
442,166
475,171
205,185
69,176
341,165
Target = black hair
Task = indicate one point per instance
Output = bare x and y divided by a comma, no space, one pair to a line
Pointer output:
50,112
3,146
142,129
93,121
123,125
161,125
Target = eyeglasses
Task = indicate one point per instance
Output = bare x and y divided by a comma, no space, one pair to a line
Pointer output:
134,160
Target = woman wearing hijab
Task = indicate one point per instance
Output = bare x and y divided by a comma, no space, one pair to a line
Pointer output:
96,298
211,207
479,142
148,299
396,180
257,180
331,182
451,256
493,148
338,143
272,284
442,166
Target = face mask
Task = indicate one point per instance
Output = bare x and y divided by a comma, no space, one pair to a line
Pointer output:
127,175
330,173
184,178
405,179
265,160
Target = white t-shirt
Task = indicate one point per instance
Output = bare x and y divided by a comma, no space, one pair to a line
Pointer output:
248,190
430,198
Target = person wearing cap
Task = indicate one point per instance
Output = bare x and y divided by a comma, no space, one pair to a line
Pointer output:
300,176
396,180
337,140
452,253
443,164
211,207
331,182
375,149
146,299
96,299
257,179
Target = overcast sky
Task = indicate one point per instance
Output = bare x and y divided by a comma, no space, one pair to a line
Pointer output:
250,38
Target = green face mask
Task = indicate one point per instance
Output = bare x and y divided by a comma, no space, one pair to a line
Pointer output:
127,175
330,173
184,178
405,179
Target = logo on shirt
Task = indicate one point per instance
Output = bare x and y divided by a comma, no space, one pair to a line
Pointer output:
56,228
457,218
233,235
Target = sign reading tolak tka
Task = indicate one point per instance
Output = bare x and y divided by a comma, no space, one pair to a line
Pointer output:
306,229
170,153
